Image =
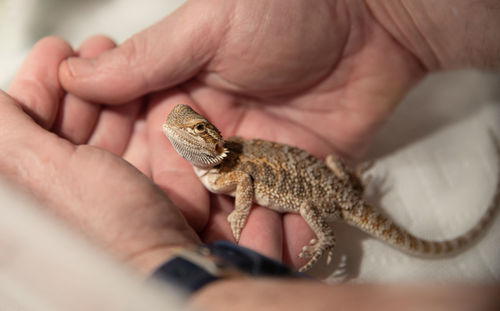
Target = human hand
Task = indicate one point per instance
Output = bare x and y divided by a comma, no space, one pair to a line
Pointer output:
322,77
94,190
329,71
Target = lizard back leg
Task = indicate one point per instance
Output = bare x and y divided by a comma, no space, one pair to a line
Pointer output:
337,166
325,238
358,176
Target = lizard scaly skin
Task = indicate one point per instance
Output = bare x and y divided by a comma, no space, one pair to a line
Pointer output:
287,179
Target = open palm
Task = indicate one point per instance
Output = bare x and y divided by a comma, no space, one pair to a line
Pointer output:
322,76
93,190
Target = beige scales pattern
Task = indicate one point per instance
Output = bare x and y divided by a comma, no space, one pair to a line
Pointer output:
287,179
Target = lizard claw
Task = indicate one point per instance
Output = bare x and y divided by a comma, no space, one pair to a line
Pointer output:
309,250
314,251
329,256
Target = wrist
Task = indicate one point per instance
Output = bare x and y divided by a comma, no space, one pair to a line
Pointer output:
148,261
192,268
449,34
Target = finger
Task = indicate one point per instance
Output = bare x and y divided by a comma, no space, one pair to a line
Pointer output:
137,152
95,46
169,170
15,125
36,85
77,118
115,127
27,151
218,227
163,55
263,232
297,234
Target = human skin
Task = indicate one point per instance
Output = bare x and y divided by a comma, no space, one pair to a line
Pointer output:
197,63
276,294
326,88
322,76
96,192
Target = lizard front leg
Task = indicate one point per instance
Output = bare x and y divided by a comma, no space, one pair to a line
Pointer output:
244,195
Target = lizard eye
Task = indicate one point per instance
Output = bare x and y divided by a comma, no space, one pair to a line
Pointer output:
200,128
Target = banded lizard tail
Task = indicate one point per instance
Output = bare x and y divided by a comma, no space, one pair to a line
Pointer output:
287,179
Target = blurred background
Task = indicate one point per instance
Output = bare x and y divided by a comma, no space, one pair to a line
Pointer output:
435,173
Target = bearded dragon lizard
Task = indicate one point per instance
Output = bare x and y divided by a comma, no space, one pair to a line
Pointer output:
287,179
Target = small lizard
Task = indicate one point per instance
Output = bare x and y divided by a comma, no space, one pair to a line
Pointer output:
287,179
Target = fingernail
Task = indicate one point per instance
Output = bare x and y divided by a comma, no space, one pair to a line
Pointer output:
81,66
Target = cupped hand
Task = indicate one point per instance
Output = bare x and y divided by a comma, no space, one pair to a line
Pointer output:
320,75
94,190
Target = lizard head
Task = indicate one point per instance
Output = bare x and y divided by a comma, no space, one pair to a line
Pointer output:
194,138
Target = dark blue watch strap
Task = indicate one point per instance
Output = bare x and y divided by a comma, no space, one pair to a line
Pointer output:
187,275
250,261
184,274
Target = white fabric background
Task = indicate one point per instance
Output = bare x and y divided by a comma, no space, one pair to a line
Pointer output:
436,166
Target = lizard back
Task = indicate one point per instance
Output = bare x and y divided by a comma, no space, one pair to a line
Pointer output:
284,176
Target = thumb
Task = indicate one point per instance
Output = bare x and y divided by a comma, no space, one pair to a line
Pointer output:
163,55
